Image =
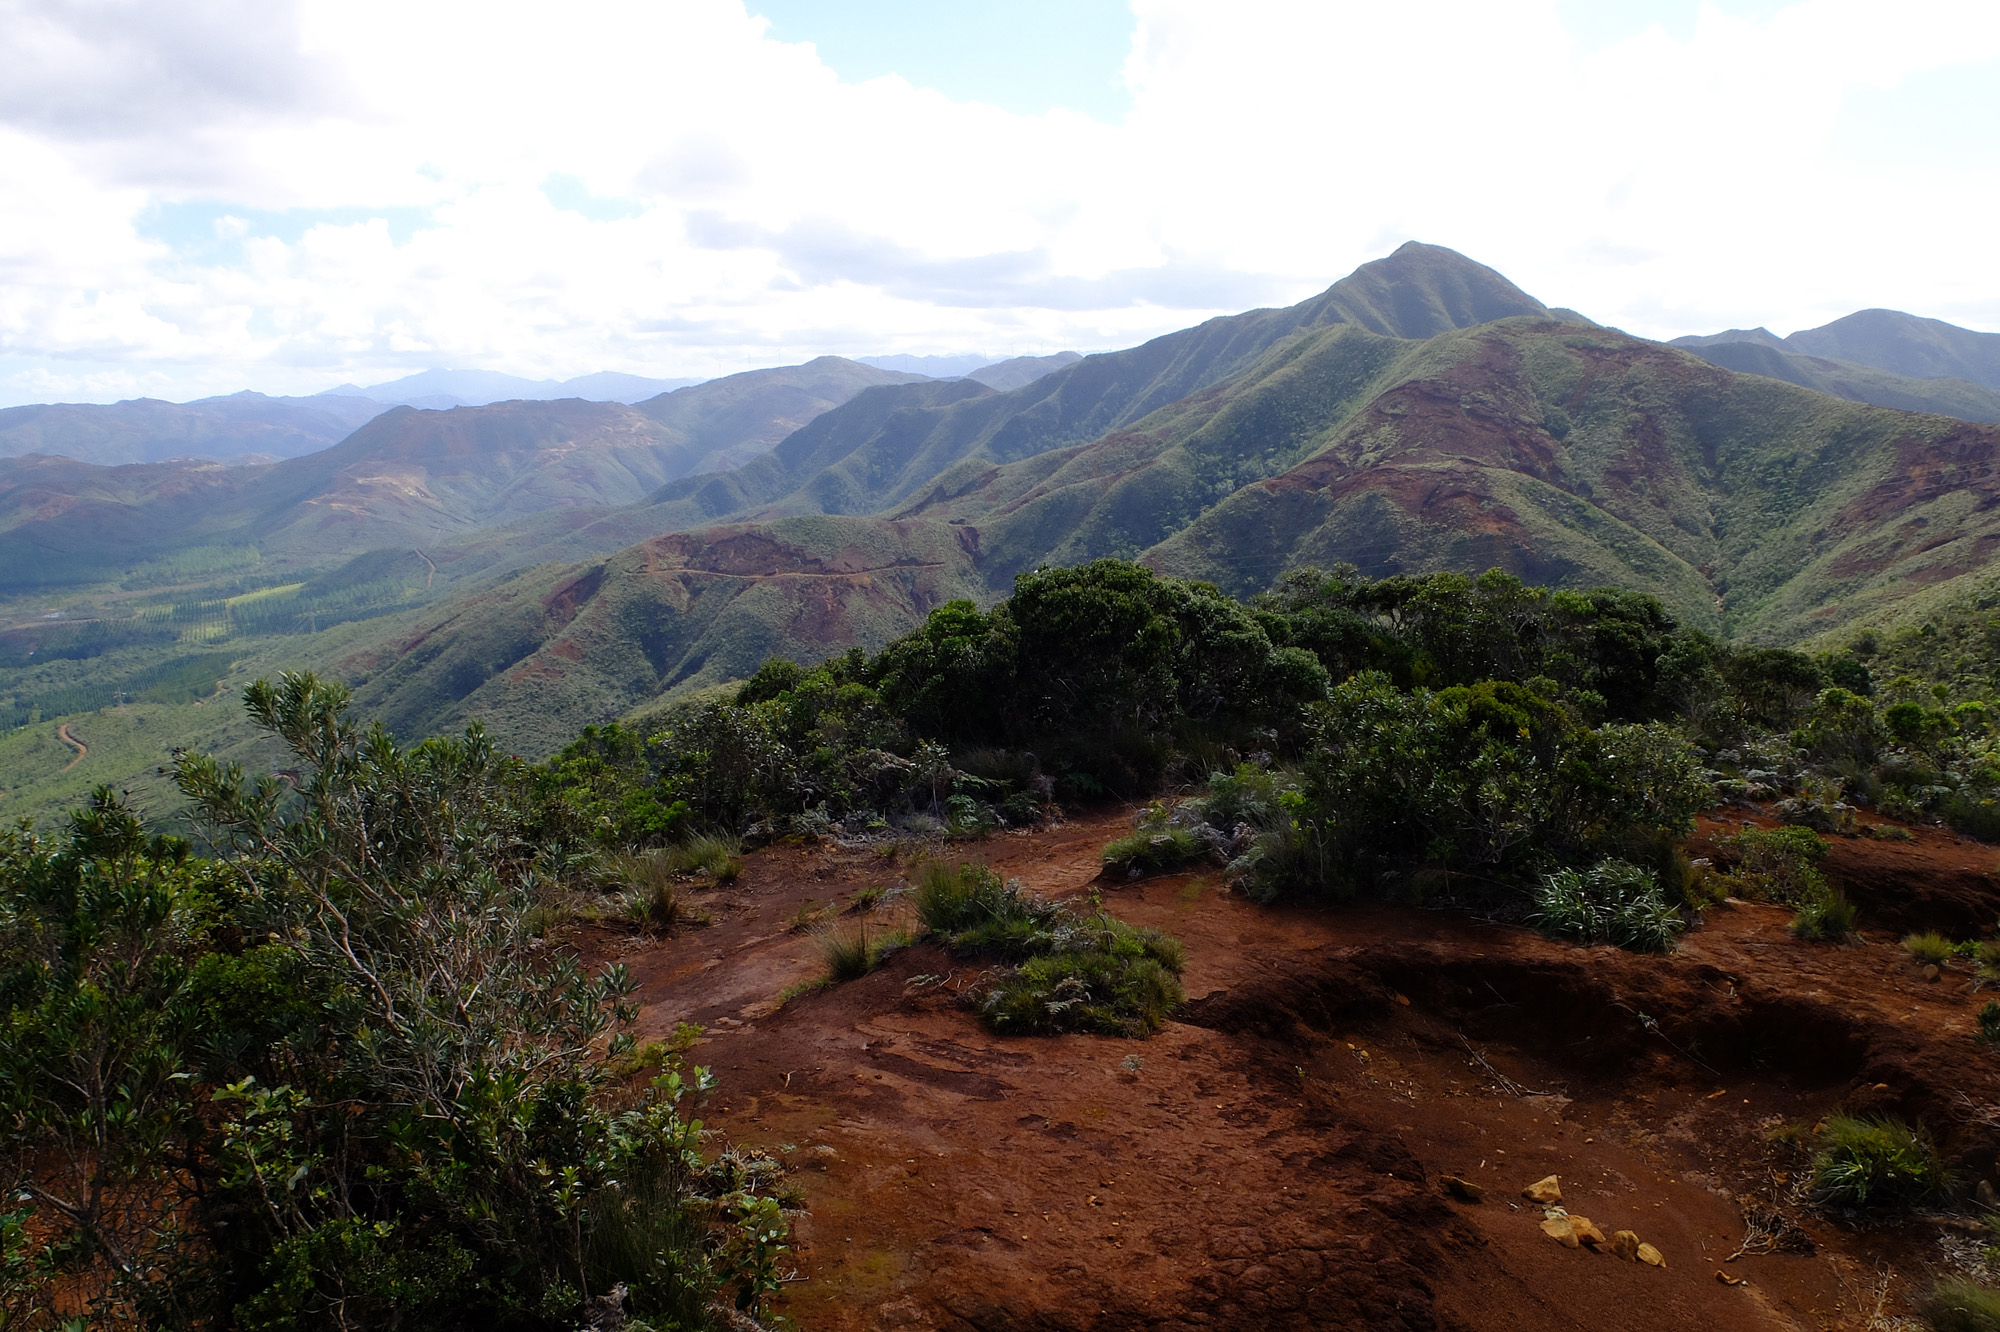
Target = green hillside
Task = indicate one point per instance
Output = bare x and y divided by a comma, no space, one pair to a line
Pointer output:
1569,455
1420,415
1906,345
559,647
406,478
1844,379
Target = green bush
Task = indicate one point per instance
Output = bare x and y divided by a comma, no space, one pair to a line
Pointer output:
1960,1306
329,1076
1488,782
1612,902
1157,844
1876,1162
1109,979
1780,865
1072,972
1989,1022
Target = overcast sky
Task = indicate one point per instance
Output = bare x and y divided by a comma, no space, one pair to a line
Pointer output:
204,195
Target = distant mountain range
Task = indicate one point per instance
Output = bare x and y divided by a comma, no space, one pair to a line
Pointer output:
555,562
406,477
1885,357
247,428
1423,413
443,389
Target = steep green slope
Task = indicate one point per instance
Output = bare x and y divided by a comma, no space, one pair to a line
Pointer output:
882,449
725,422
1574,456
1137,486
543,654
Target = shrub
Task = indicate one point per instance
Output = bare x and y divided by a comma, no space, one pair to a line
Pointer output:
1121,982
1161,841
1929,948
1823,916
1960,1306
1989,1022
1485,781
1612,902
1073,972
1876,1162
1780,865
338,1080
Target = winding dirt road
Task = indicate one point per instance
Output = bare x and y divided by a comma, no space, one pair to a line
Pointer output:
62,734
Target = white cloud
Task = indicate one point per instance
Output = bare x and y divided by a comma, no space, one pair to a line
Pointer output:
371,183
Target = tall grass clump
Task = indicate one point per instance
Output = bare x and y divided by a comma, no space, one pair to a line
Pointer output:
852,954
652,898
1824,915
973,911
1930,948
1072,970
1161,840
1611,902
719,857
1960,1306
1876,1162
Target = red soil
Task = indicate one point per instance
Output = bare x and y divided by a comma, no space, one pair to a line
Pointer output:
1272,1159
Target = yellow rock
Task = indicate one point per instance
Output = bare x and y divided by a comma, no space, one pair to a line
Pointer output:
1584,1230
1625,1245
1544,1191
1558,1228
1651,1256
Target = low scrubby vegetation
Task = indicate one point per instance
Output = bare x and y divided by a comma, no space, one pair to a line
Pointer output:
1960,1306
1436,739
1874,1162
325,1075
1064,968
333,1070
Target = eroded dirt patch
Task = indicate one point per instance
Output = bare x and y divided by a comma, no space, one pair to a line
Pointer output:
1272,1159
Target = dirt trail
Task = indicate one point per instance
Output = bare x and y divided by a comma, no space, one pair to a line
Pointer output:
62,734
1272,1159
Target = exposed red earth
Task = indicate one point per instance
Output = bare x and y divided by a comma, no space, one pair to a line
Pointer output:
1275,1157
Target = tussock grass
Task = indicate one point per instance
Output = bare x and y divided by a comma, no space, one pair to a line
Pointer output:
1824,915
1074,971
1156,844
1960,1306
1929,948
1876,1162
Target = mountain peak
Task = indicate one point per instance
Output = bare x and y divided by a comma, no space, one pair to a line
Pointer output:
1420,291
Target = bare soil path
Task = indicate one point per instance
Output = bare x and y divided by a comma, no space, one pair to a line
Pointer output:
62,734
1273,1159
